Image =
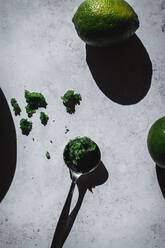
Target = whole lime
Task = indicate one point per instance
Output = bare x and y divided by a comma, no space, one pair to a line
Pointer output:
104,22
156,142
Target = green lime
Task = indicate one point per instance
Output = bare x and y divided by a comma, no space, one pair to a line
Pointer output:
104,22
156,142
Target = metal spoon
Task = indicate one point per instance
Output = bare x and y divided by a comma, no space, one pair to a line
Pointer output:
61,228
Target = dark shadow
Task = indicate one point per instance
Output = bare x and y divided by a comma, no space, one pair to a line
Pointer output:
95,178
7,147
160,172
84,183
123,72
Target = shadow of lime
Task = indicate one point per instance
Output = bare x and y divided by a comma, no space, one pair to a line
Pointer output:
8,147
160,172
123,72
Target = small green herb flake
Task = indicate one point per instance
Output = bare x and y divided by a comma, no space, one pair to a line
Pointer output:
34,101
29,111
44,118
66,130
16,108
26,126
70,100
33,139
47,155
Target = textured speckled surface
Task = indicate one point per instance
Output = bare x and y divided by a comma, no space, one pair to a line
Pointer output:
40,51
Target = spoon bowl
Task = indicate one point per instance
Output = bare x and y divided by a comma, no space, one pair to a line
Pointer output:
85,165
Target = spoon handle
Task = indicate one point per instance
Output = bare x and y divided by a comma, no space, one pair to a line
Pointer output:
62,222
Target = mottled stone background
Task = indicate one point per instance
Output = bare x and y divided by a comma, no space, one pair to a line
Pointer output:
40,51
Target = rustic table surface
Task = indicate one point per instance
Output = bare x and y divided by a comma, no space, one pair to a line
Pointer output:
40,51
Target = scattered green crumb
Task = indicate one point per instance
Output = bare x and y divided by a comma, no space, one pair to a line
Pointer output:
77,148
70,100
44,118
16,107
29,111
66,130
34,101
26,126
33,139
48,155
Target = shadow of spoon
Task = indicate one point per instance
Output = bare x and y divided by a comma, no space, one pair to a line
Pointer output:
84,182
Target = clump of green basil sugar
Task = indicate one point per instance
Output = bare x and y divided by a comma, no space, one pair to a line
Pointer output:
26,126
30,111
47,155
16,107
44,118
70,100
77,148
34,101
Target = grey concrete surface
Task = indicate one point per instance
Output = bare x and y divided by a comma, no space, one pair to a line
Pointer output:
40,51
